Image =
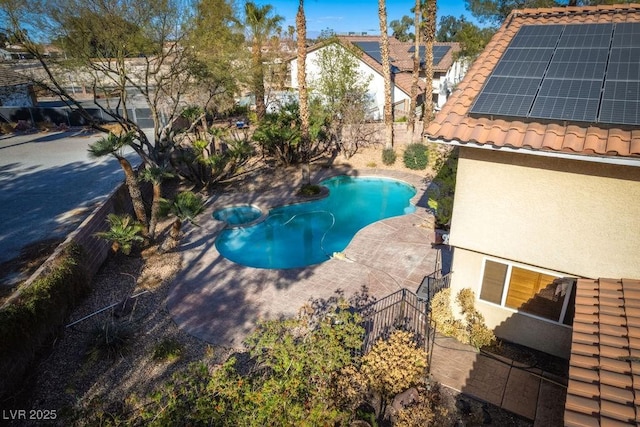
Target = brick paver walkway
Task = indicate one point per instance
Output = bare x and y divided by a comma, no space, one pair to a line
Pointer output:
220,302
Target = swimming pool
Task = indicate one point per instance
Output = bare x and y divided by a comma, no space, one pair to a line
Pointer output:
308,233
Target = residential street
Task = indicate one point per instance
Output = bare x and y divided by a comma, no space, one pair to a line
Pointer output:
48,185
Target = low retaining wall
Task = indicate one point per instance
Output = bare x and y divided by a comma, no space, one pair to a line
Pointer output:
96,249
30,336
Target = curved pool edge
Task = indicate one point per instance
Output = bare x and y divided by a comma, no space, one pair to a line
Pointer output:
286,202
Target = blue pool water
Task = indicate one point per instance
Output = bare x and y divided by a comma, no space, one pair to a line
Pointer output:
308,233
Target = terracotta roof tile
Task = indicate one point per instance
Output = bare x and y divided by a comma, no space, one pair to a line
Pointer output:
596,140
615,394
604,387
585,375
616,411
576,419
557,136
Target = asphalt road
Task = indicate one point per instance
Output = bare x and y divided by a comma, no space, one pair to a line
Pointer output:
48,186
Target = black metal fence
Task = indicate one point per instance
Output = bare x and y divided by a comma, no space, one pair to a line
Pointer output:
402,310
431,284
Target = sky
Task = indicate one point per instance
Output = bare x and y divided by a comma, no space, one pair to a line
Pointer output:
343,16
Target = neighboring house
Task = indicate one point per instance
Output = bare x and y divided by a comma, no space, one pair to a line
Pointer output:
547,201
447,71
15,89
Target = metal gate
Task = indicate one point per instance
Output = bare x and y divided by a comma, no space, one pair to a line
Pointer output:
402,310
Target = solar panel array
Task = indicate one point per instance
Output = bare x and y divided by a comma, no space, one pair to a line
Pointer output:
438,53
372,49
583,73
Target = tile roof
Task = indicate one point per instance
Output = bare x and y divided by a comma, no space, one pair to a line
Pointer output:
453,124
402,58
604,372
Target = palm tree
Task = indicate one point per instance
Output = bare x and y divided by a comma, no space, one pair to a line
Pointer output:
301,24
113,145
155,175
261,24
415,75
123,233
429,39
185,207
386,70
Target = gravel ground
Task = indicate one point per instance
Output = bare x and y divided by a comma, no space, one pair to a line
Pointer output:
77,378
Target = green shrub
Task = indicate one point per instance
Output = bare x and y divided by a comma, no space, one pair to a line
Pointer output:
309,190
389,156
416,156
124,232
167,349
110,340
444,184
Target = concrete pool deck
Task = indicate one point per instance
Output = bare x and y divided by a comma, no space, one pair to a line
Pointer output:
220,302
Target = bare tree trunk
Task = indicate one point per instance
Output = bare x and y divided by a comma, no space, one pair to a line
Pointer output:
134,192
258,79
386,69
415,75
155,208
173,238
301,24
429,38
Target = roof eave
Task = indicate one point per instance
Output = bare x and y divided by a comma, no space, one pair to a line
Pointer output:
612,160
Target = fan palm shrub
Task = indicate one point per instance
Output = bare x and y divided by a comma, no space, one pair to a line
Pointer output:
123,233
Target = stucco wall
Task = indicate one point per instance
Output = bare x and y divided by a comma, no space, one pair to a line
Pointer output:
508,324
576,217
572,218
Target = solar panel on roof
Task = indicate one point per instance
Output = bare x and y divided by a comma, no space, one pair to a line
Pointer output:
439,52
567,100
626,35
584,72
590,36
624,64
372,49
545,36
578,64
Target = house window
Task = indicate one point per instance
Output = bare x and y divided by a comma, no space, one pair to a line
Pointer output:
528,291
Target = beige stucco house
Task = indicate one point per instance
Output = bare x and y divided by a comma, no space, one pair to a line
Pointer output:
543,197
546,216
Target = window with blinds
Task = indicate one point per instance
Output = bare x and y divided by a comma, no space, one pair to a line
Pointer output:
528,291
